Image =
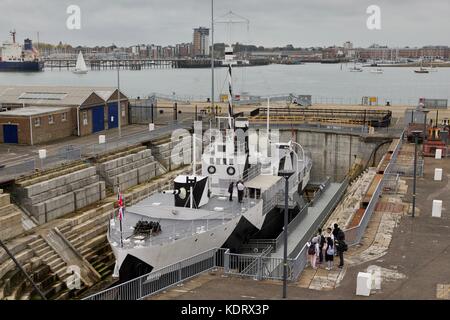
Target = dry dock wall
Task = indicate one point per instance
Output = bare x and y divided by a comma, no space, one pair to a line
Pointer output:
50,199
165,153
128,170
10,218
333,153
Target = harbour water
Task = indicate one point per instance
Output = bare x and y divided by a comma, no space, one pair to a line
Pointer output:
328,83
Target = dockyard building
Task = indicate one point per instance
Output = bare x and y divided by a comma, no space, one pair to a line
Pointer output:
37,114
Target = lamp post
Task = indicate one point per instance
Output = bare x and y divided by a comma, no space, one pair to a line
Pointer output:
416,134
425,112
286,173
119,108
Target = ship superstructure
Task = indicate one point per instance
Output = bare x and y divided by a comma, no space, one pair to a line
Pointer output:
15,57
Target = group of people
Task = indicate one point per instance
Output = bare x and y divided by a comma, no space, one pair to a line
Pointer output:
240,189
326,245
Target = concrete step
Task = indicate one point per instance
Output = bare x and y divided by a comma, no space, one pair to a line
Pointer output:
65,228
61,265
93,242
21,257
99,219
92,233
55,289
40,246
43,251
36,243
55,262
46,256
15,246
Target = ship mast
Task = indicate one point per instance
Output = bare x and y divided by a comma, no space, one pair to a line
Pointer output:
13,34
212,58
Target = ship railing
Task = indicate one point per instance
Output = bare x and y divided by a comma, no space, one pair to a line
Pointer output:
126,239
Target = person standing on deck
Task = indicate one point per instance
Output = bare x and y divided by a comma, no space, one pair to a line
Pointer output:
240,188
230,190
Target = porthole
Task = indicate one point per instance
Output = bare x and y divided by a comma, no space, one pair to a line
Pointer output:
211,169
231,171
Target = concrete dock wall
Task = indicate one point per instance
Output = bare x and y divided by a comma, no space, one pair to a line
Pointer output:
333,154
129,170
10,218
50,199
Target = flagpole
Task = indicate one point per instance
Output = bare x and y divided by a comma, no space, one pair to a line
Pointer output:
120,201
121,240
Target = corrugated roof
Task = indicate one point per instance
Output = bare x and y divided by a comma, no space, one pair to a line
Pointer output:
32,111
52,95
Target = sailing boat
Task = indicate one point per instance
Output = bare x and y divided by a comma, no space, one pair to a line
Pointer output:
80,67
422,69
355,68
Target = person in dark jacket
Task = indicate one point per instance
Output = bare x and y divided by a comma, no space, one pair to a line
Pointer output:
341,246
230,190
321,244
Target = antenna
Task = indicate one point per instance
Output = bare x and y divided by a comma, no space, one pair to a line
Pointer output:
13,34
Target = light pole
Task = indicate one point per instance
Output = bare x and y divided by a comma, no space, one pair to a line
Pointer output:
286,173
416,134
119,108
425,112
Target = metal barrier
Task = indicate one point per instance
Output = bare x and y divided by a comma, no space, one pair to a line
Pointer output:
156,281
54,158
354,235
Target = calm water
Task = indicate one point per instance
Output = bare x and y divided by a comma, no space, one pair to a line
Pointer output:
325,82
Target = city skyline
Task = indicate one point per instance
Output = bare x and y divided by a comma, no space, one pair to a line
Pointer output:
300,23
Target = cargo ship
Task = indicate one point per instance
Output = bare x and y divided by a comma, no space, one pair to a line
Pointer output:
14,57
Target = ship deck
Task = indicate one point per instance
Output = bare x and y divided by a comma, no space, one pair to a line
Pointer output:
176,222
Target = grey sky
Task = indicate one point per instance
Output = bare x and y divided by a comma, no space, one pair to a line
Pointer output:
272,22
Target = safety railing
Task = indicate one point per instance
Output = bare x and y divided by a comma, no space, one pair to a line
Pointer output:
156,281
292,225
53,159
354,235
258,245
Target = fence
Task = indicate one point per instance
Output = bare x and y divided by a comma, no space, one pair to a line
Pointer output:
28,166
72,153
143,110
156,281
95,149
381,101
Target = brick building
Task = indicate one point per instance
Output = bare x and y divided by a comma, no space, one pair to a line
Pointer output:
85,110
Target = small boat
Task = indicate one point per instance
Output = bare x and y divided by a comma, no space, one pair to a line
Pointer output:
80,67
378,71
356,69
422,70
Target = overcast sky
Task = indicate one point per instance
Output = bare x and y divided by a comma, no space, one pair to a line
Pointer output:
272,22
